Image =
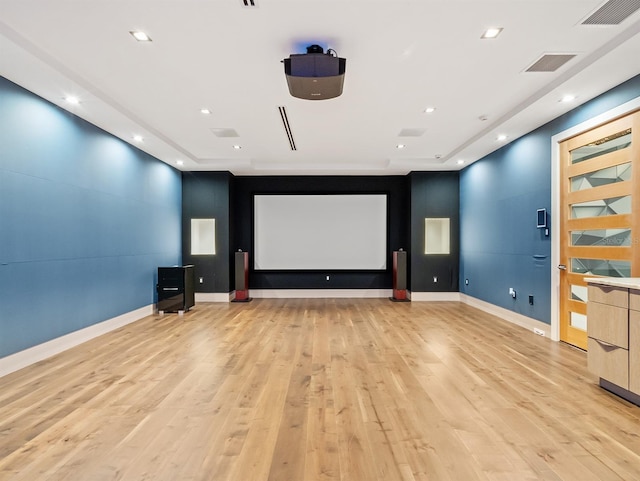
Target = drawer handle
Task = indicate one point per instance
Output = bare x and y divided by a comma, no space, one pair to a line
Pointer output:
607,345
608,289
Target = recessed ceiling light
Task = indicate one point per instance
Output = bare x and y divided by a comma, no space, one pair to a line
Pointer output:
568,98
179,162
237,147
501,138
138,138
205,111
400,146
491,32
460,162
140,36
429,110
72,100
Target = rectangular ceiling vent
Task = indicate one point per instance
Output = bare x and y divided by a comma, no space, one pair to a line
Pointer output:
248,3
224,132
437,160
550,62
411,132
613,12
287,127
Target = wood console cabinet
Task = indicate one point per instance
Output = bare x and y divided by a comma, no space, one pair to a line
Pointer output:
613,327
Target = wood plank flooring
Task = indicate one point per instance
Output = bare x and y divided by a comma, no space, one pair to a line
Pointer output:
316,390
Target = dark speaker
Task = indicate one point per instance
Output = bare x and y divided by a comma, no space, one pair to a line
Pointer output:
176,288
242,277
241,281
401,271
400,276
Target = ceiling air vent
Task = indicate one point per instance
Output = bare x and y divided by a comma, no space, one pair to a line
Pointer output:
437,160
248,3
224,132
550,62
287,127
613,12
411,132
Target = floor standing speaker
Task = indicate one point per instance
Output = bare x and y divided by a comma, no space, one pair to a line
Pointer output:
242,277
399,276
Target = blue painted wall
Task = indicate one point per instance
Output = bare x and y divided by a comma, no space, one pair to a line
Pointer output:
499,195
85,220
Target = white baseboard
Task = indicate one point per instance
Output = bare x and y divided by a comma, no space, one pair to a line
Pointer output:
318,293
17,361
529,323
213,297
434,296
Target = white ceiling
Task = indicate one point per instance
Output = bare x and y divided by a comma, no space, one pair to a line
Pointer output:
402,56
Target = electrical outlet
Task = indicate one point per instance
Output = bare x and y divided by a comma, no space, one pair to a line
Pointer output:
531,300
201,280
435,278
327,277
539,332
512,292
466,282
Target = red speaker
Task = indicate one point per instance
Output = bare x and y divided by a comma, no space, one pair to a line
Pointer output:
399,277
242,277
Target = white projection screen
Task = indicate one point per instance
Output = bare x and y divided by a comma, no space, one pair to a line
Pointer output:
320,232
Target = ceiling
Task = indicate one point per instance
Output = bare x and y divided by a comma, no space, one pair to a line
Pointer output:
402,57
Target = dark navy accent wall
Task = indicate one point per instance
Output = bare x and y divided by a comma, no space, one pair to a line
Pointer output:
434,195
206,195
499,195
85,220
397,189
411,198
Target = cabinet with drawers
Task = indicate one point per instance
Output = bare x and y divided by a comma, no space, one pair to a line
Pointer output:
176,288
613,328
634,340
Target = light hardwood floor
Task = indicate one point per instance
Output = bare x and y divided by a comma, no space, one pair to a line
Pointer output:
316,389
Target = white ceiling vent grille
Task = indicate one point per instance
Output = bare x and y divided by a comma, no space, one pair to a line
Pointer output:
411,132
249,3
550,62
224,132
287,127
437,160
613,12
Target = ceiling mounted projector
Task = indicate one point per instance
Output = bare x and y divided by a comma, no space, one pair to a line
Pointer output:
315,75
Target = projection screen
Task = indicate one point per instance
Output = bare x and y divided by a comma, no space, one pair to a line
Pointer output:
320,232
